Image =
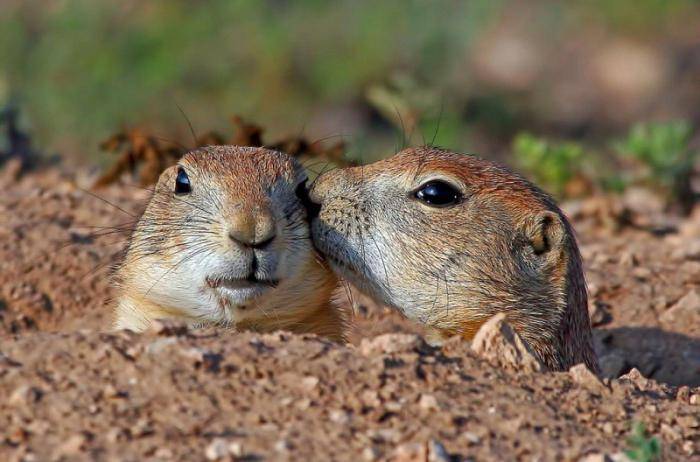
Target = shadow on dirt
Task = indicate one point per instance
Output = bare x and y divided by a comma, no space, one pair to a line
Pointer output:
664,356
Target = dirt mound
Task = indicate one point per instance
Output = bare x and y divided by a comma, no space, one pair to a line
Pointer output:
211,394
71,392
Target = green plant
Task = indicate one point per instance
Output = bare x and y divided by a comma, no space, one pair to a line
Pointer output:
553,165
641,447
665,155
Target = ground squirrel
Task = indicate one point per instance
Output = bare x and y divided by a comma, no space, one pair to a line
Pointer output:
450,240
225,240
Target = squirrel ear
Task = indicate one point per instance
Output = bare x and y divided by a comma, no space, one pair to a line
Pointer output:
544,232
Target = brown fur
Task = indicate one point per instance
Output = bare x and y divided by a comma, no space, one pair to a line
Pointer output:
184,245
506,247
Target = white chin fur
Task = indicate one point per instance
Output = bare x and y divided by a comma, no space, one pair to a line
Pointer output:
241,296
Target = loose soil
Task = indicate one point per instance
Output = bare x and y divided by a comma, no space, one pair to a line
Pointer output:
72,390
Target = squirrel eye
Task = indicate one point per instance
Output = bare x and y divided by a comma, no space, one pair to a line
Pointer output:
182,182
438,193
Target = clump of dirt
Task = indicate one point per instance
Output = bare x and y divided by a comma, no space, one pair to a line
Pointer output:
71,391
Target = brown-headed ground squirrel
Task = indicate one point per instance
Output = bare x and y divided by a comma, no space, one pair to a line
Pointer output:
225,240
451,240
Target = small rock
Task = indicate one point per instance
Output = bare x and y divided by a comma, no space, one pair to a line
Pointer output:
390,343
497,342
599,313
636,377
235,448
370,398
428,402
309,382
628,259
437,452
159,345
217,449
12,170
283,445
595,458
393,406
689,448
25,395
339,416
472,437
71,447
620,457
385,435
688,421
163,453
168,328
370,454
670,432
642,273
687,250
617,457
410,452
685,311
584,377
303,404
694,399
683,393
115,434
111,392
141,428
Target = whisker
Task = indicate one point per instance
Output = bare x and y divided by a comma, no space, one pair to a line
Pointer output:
107,202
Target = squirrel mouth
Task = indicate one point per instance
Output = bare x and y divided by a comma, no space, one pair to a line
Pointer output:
241,283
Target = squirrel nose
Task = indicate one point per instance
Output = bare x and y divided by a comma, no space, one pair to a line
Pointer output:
254,229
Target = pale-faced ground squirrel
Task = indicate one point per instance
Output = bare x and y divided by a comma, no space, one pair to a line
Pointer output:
225,240
450,240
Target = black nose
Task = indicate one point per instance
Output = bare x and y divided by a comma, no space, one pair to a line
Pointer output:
312,208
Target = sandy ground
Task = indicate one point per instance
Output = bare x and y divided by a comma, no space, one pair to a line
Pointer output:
70,390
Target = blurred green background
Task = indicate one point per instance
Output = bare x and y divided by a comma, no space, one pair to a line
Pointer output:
487,77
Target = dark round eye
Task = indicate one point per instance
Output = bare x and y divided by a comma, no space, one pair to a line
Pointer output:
438,193
182,182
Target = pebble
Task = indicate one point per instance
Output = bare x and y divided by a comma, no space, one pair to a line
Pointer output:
72,446
390,343
236,448
339,416
283,445
428,402
599,313
25,395
217,449
410,452
584,377
670,432
497,342
370,453
437,452
685,311
167,328
688,421
309,382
